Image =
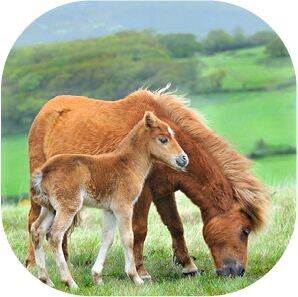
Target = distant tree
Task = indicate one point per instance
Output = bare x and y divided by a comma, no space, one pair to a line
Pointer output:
217,41
276,48
180,45
261,38
108,67
240,39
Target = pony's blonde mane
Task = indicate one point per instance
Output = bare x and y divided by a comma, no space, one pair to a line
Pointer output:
248,191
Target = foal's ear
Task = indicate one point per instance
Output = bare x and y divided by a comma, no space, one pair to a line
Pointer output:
150,119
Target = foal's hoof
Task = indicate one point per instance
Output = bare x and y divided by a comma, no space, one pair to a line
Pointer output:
144,275
137,280
71,284
47,281
147,278
97,279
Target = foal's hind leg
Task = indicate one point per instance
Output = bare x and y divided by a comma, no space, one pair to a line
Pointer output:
62,222
38,230
108,232
124,220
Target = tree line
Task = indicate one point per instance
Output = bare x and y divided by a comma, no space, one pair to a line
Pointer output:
109,67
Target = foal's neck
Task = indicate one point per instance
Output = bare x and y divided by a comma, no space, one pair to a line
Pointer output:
133,151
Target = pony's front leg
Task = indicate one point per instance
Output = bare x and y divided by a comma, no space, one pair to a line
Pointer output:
32,217
167,209
124,220
108,232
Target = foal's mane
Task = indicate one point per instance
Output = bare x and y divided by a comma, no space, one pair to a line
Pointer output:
248,191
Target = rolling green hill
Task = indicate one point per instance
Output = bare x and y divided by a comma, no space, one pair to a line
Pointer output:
241,116
249,69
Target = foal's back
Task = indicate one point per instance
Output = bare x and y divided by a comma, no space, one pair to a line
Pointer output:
68,176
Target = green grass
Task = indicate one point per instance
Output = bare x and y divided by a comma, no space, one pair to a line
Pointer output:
263,251
15,168
276,170
249,69
245,117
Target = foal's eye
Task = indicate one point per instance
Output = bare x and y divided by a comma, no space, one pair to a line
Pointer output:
163,139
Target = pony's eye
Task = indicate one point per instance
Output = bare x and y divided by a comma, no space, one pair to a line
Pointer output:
246,231
163,139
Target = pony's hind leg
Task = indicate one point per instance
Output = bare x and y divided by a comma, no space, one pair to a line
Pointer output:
108,232
38,230
124,221
62,222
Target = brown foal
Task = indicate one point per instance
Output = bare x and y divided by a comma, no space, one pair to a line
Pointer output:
111,181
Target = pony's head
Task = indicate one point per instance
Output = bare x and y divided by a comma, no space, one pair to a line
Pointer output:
227,237
162,144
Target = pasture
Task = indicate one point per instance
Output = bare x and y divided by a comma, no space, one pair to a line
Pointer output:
263,251
257,102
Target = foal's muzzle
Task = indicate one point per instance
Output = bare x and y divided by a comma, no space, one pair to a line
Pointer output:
182,160
231,268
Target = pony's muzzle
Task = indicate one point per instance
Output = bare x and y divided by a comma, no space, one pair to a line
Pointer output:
231,269
182,160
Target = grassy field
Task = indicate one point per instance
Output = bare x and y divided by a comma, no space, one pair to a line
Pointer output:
263,251
258,103
249,69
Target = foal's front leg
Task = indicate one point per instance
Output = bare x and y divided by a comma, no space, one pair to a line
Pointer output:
108,232
124,220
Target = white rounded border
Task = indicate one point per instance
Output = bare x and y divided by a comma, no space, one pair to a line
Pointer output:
16,15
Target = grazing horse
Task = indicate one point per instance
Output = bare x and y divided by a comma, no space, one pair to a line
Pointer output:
218,180
111,181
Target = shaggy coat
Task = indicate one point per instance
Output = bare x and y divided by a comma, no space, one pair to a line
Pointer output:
218,180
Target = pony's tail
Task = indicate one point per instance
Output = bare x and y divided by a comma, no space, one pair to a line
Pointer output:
36,185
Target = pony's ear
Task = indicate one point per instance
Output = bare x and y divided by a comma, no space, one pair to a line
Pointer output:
150,119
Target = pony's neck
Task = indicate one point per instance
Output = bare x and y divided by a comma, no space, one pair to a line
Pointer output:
205,183
133,151
210,197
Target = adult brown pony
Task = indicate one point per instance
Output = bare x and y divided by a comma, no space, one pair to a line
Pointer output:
218,180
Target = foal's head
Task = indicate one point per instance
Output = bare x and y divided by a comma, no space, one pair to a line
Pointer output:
162,144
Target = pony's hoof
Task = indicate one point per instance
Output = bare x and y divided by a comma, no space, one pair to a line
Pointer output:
191,270
29,262
193,273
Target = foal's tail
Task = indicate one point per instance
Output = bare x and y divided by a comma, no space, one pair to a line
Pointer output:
39,196
42,199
